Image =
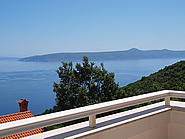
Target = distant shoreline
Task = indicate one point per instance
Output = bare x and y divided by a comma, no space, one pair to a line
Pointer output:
114,55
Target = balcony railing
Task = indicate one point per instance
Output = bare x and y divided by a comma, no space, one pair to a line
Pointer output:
91,111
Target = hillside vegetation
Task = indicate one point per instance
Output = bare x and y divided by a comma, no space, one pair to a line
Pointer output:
170,78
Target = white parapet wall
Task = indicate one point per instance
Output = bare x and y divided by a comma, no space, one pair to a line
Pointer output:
109,126
155,121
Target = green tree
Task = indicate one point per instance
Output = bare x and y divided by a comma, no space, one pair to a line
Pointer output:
83,85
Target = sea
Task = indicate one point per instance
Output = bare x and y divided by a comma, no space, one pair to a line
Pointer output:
34,80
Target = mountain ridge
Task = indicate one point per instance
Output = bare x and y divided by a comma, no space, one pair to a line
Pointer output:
132,53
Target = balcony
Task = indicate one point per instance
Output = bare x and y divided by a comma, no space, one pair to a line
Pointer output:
163,120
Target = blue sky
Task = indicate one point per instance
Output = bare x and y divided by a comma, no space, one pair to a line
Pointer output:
52,26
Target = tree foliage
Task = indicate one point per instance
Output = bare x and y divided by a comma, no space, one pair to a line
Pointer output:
84,85
87,84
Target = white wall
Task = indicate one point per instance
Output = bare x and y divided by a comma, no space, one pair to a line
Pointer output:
166,125
153,127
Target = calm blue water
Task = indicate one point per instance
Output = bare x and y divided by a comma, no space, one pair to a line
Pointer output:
34,80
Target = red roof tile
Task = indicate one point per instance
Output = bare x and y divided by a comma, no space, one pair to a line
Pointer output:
19,116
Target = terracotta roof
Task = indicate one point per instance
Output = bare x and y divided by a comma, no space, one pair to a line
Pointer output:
22,100
19,116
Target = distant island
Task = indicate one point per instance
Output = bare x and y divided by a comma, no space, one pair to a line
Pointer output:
133,53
